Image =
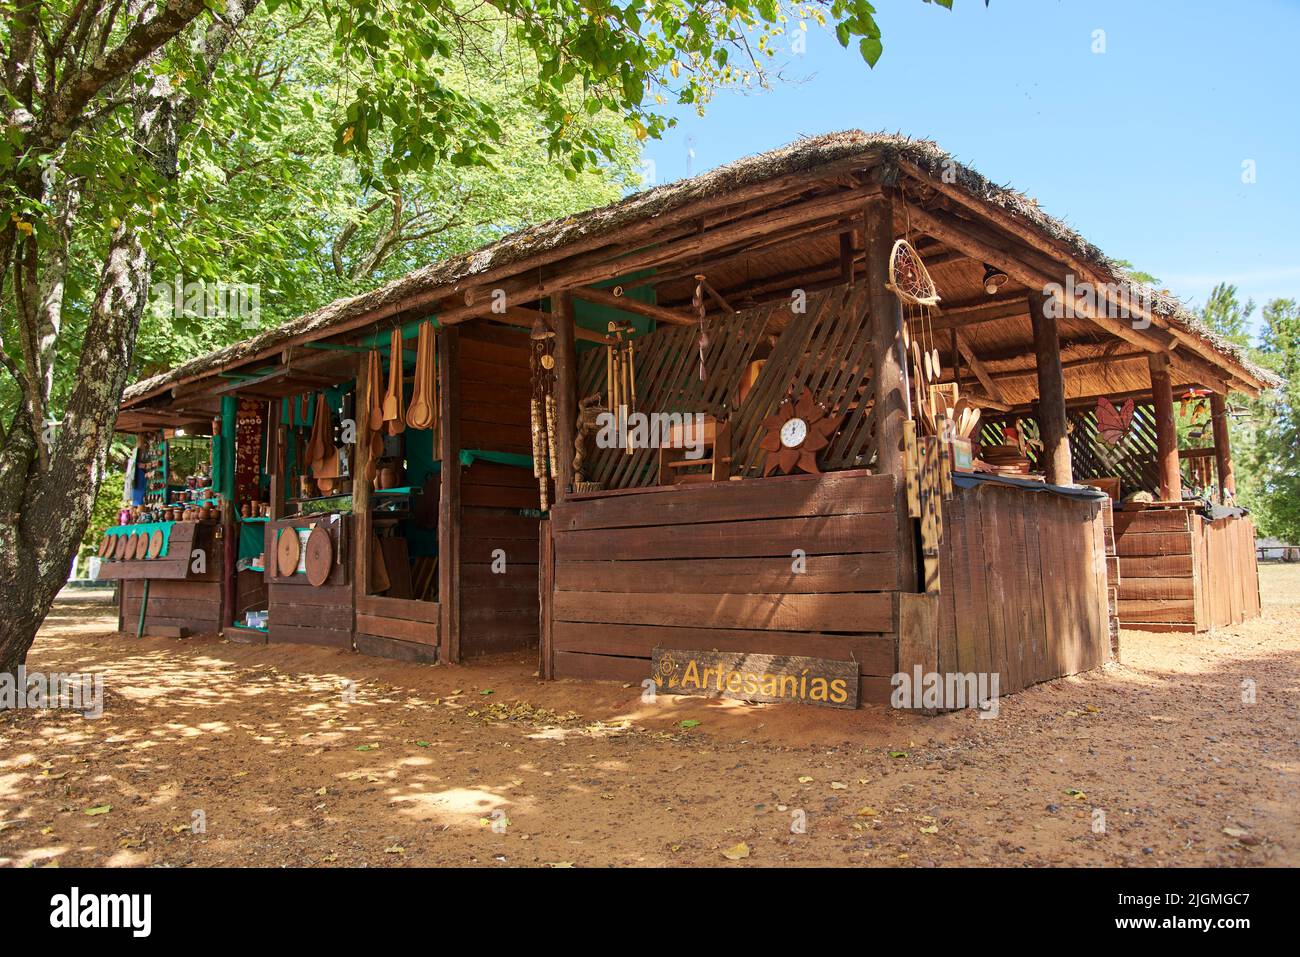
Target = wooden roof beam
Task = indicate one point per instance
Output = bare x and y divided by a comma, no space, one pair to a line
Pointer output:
835,205
1032,237
602,297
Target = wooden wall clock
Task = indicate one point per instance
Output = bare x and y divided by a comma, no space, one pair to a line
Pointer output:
796,433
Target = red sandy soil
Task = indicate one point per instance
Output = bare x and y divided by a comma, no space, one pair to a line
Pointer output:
288,769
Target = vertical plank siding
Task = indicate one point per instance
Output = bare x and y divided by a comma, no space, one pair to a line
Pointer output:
1024,589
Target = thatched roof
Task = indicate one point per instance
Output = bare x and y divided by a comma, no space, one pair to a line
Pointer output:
802,155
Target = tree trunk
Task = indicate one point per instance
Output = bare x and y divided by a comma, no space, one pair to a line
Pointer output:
50,477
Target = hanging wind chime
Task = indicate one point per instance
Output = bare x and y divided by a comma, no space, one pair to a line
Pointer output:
620,372
543,413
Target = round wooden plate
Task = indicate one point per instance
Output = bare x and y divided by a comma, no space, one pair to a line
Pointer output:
119,547
287,551
320,555
132,546
155,543
105,545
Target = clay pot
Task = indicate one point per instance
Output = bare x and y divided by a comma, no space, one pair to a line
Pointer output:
387,477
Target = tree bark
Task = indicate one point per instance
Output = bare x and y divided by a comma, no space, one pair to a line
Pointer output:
49,477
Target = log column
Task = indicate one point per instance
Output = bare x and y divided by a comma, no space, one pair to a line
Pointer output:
361,458
1162,393
1222,449
1051,392
449,496
889,372
566,391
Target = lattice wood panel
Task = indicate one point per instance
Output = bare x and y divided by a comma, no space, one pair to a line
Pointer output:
668,380
828,351
1133,460
826,348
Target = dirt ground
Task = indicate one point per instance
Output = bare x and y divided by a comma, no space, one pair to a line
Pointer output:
290,755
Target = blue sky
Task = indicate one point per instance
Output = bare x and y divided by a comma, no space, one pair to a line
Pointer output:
1140,148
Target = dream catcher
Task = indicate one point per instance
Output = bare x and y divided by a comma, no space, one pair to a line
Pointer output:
543,415
620,370
939,408
799,430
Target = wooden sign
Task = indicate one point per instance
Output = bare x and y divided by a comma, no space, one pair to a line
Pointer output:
751,677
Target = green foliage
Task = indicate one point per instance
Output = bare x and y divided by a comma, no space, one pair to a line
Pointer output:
104,514
1268,476
1227,315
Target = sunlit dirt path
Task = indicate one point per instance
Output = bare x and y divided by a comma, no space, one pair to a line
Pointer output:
292,755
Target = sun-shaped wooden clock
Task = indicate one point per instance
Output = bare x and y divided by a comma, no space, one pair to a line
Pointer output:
793,437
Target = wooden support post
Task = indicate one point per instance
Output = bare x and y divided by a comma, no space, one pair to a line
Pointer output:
1051,392
449,500
889,371
230,529
1222,449
361,458
546,601
273,458
566,391
1162,393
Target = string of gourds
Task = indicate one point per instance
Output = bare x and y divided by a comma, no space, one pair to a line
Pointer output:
543,417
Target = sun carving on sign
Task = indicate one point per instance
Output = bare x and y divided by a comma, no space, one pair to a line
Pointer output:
793,437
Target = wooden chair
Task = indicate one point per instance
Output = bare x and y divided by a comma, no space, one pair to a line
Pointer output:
676,469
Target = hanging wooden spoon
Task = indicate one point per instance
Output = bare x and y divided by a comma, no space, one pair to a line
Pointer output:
394,375
375,413
414,409
399,423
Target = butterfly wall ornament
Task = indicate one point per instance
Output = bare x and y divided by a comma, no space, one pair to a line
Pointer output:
1113,423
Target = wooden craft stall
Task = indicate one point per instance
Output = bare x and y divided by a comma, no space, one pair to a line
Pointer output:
166,550
802,424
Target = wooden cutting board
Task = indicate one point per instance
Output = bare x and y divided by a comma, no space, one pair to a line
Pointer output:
287,550
320,555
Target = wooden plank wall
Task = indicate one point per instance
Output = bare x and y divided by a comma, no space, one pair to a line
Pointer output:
191,605
1158,569
179,598
499,609
1184,573
300,612
1023,586
706,567
397,628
